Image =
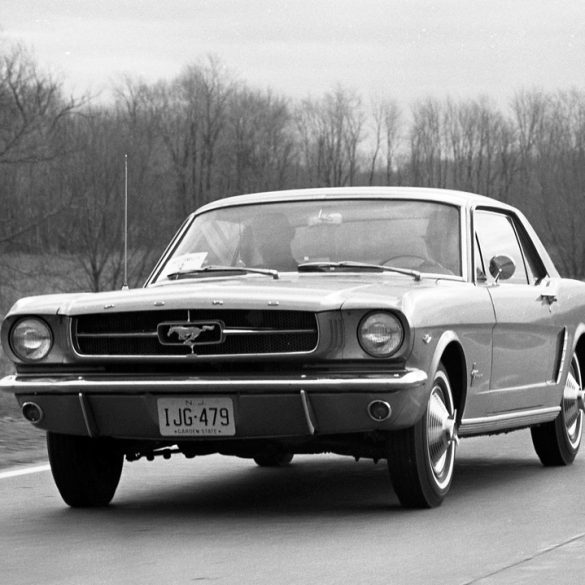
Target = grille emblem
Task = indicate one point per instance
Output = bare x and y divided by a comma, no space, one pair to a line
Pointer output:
191,334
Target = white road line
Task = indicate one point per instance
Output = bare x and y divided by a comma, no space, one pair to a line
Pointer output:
23,471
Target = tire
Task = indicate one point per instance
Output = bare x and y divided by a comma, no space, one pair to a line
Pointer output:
86,471
279,459
557,442
421,459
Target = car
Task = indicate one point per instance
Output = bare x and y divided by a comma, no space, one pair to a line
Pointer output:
372,322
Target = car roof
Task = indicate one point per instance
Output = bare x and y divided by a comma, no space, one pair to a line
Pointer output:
458,198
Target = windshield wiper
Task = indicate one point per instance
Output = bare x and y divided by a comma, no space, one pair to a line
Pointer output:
223,269
332,266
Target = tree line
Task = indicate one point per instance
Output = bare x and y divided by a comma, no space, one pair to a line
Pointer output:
205,135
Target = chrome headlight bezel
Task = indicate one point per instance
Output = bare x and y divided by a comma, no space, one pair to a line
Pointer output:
380,334
31,339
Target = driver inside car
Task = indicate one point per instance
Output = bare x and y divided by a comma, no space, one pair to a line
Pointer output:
266,243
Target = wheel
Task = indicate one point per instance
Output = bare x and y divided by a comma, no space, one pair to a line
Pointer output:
557,442
86,471
421,458
276,459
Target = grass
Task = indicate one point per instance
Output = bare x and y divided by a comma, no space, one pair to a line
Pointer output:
34,274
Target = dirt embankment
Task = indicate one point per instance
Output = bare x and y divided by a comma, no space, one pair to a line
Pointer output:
20,442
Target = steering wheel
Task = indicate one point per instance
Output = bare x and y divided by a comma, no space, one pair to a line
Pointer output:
421,259
415,262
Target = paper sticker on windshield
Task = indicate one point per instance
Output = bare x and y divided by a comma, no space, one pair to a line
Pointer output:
185,262
326,219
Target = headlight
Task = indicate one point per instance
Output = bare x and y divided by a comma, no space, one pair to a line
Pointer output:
31,339
380,334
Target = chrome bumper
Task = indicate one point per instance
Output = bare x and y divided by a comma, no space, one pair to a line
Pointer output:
404,380
285,406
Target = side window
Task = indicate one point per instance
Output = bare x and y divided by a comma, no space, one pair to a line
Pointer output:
534,265
496,235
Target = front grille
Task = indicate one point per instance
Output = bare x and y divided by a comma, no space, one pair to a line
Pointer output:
244,333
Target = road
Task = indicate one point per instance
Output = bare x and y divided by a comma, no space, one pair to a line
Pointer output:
323,520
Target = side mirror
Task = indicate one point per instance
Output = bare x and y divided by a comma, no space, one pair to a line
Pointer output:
502,267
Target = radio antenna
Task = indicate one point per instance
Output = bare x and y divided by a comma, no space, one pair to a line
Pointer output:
125,283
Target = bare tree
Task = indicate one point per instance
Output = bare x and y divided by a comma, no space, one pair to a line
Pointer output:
193,117
557,164
479,147
392,133
331,131
203,136
94,177
428,160
34,119
259,142
32,110
377,109
151,189
386,119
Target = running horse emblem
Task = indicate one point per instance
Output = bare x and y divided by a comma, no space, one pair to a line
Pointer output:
188,334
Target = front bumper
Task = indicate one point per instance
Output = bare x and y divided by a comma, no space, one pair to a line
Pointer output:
269,407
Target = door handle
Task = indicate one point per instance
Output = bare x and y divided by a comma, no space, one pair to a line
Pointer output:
550,297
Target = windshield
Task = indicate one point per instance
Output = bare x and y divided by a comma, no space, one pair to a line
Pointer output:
417,235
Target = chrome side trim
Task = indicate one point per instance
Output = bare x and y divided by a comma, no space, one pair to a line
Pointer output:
510,420
563,357
403,380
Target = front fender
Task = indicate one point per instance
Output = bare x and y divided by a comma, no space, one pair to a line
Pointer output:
428,352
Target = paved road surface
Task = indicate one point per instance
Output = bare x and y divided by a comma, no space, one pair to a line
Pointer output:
323,520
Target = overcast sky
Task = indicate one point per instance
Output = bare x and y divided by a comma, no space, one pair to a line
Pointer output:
403,49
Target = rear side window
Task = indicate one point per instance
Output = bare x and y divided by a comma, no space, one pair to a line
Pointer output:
496,236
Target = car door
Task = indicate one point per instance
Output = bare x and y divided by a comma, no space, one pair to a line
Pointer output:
525,339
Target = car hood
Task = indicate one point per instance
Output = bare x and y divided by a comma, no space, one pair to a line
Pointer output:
293,292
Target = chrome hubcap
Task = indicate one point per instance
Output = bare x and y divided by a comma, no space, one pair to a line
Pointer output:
441,434
573,405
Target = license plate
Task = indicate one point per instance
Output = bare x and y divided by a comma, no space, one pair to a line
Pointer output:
196,417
